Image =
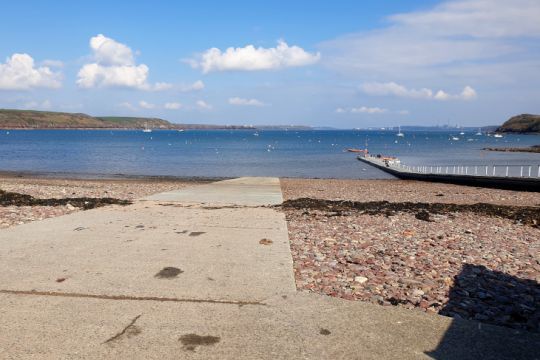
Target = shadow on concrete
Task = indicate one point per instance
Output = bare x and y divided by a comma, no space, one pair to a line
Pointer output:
491,298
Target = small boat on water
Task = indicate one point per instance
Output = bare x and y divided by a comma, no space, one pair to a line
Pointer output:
353,150
479,133
455,138
498,136
146,128
400,134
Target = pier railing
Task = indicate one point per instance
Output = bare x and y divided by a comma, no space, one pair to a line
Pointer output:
494,170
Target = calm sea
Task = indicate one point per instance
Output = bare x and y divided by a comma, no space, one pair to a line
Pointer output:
314,154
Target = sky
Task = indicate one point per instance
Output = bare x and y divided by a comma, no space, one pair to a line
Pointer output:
341,64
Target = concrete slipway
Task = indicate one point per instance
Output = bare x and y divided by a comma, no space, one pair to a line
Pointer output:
205,272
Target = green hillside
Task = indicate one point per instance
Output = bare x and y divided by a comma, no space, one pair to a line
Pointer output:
30,119
524,123
135,122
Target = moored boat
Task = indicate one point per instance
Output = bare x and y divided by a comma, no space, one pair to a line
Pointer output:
353,150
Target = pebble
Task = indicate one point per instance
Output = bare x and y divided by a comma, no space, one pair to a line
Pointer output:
360,279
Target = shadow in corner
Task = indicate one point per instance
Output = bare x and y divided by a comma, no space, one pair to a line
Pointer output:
491,298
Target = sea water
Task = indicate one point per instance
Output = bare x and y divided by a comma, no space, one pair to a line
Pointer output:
233,153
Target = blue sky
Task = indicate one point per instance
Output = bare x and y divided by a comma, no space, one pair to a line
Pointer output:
342,64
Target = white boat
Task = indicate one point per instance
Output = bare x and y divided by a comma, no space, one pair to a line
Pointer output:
146,128
462,133
479,133
400,134
498,135
455,138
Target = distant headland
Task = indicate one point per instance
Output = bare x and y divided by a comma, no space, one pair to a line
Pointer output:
524,123
31,119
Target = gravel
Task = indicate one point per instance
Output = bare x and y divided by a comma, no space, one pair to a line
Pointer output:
61,189
459,264
401,191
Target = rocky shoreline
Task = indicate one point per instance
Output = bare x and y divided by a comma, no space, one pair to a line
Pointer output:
457,258
530,149
27,199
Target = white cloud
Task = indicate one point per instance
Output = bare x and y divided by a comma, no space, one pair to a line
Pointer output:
250,58
96,75
465,38
477,18
173,105
468,93
146,105
20,73
201,104
368,110
196,86
115,66
245,102
441,95
109,52
392,88
362,109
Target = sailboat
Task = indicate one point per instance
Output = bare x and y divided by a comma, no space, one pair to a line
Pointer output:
146,128
479,133
400,134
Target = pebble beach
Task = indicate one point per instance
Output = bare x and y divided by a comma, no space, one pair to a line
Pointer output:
45,188
457,263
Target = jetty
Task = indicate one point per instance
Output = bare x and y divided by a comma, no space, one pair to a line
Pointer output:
513,177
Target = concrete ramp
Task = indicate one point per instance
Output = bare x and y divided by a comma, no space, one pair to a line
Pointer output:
241,191
221,253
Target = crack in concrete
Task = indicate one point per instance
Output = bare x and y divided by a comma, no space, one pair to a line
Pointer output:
124,330
128,298
214,207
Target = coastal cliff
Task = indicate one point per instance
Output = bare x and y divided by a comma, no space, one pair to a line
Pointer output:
524,123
